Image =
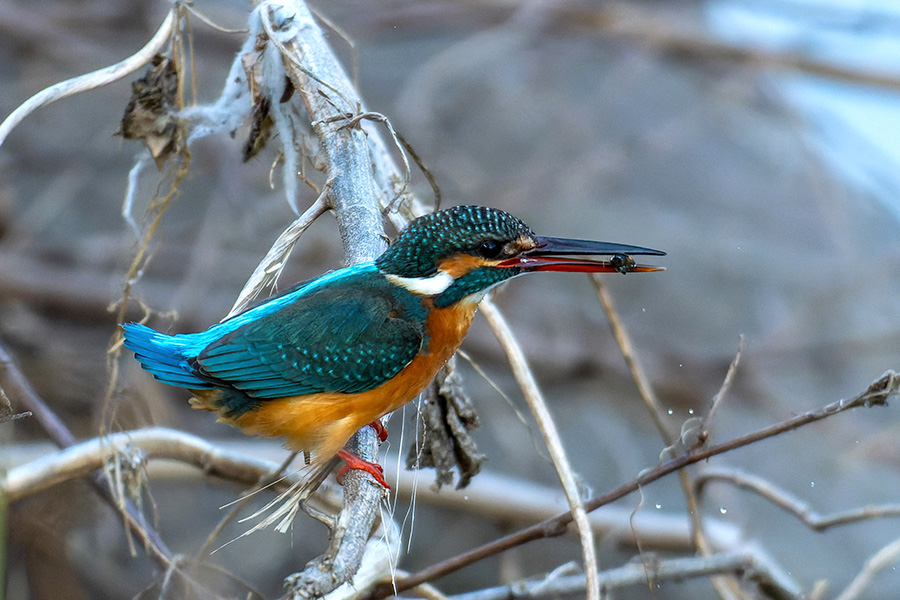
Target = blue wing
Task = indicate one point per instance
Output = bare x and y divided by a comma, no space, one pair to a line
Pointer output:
350,335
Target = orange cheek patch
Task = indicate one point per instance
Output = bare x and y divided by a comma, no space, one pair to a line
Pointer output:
461,264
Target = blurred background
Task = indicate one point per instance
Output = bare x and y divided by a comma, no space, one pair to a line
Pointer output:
755,142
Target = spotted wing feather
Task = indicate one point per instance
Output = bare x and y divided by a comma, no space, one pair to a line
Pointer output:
344,338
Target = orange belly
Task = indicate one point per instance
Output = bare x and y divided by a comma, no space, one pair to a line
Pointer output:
322,423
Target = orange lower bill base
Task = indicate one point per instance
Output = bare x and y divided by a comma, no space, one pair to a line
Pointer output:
355,462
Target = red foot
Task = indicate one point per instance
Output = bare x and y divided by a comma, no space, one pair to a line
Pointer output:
379,429
355,462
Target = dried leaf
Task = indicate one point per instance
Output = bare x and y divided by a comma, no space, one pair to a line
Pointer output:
150,113
445,442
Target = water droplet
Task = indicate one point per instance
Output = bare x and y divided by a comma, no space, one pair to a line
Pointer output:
658,506
670,411
466,497
812,484
690,411
680,365
723,510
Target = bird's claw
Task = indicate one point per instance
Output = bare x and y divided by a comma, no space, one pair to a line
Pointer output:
379,429
355,462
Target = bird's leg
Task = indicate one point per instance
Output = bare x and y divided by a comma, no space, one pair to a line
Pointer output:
379,429
355,462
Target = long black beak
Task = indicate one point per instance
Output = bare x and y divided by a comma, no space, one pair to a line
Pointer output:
552,254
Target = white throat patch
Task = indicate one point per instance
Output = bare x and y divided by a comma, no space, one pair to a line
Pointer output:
423,286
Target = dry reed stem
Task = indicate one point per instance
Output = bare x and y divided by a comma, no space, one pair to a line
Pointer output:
549,433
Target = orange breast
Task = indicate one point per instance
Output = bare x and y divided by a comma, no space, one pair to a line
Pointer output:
322,423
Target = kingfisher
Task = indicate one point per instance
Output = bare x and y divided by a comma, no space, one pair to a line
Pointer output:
329,356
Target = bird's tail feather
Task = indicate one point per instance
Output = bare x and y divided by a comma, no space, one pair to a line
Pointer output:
165,356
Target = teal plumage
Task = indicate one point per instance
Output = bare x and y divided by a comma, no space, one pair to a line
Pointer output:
325,358
349,333
464,229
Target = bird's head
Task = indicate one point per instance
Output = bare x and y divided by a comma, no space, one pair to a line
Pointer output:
460,252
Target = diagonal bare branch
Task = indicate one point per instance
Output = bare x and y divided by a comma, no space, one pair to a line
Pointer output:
876,394
727,589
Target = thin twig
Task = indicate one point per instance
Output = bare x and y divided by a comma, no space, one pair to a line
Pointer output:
694,433
791,503
723,390
875,395
738,564
93,80
525,378
884,558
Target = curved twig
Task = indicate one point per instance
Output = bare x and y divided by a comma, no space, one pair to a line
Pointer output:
95,79
884,558
791,503
80,460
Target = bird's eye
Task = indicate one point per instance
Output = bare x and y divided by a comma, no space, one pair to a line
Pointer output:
489,249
